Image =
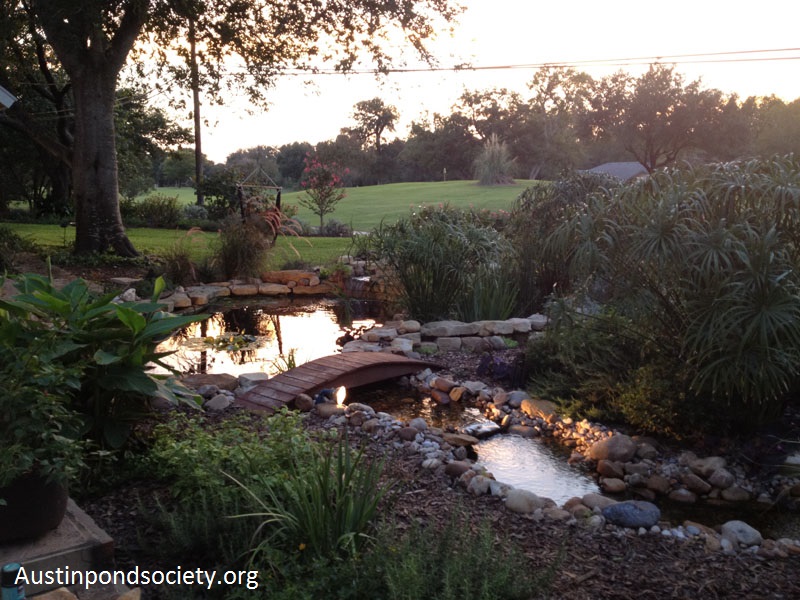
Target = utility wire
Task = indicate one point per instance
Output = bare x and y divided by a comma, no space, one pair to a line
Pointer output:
702,58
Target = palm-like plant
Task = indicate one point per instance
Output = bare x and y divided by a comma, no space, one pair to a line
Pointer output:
703,264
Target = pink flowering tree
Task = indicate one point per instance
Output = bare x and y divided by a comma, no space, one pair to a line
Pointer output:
323,185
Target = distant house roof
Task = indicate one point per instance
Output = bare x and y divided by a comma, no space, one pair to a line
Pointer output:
620,170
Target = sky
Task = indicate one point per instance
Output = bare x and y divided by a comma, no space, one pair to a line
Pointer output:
532,32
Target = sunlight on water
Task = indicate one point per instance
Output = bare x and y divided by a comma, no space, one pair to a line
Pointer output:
524,463
533,465
308,330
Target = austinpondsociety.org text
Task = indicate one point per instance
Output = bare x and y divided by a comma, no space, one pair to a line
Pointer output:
137,577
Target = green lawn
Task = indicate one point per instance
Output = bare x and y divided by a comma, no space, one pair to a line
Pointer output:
363,208
313,250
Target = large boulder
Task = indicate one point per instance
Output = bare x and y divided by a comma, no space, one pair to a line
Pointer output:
619,448
632,514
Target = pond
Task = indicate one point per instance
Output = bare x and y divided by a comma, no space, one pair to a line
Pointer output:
265,335
525,463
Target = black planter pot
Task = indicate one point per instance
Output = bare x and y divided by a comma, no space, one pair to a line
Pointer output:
33,506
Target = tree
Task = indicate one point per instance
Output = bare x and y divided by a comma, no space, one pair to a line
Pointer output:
323,186
546,130
657,116
245,162
142,134
778,128
93,40
441,148
291,160
373,117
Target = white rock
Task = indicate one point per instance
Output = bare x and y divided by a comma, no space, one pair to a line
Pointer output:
523,501
740,533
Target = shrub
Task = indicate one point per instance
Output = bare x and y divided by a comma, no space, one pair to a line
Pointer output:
179,265
450,565
334,228
242,248
194,523
435,255
541,267
10,245
194,212
159,210
112,345
701,266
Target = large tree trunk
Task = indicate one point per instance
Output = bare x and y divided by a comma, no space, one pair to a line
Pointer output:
98,223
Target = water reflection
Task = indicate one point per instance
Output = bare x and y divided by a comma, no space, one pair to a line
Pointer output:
306,329
533,465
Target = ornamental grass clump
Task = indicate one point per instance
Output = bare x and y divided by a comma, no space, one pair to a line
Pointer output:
324,508
439,256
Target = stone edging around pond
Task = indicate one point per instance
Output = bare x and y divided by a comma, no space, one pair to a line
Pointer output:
272,283
644,470
403,336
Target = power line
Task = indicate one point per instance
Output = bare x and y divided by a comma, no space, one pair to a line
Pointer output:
702,58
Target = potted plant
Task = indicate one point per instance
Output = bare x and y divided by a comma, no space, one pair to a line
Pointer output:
41,449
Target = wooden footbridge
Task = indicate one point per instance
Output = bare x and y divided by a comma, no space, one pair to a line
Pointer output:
349,369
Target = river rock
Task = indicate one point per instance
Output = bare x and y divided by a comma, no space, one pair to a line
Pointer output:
632,514
440,329
696,484
482,430
371,426
440,397
442,384
479,485
459,439
646,451
613,485
617,448
457,468
610,468
523,501
522,431
448,344
659,484
516,398
218,403
538,322
539,408
418,423
683,496
593,501
329,409
457,393
409,326
741,534
704,467
408,434
303,402
722,479
735,494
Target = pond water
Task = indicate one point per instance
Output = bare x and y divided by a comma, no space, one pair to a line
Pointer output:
262,335
525,463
